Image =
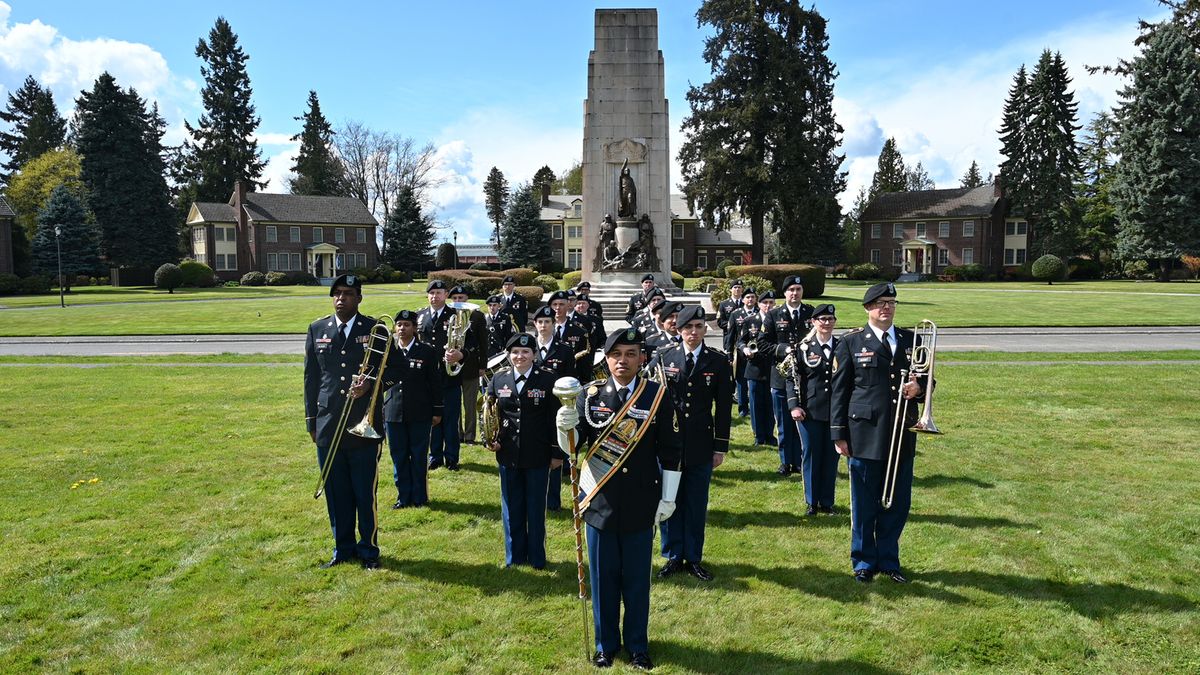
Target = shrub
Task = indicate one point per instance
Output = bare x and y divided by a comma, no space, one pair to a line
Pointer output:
703,282
1084,268
891,273
475,282
572,279
677,279
34,285
254,278
9,283
533,295
698,272
197,274
723,267
813,275
1192,263
231,284
1049,268
382,272
168,276
867,271
482,266
297,278
399,277
721,292
277,279
547,282
1137,269
362,273
972,272
83,280
522,275
101,281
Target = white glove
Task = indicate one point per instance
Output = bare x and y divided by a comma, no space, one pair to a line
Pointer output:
670,488
566,420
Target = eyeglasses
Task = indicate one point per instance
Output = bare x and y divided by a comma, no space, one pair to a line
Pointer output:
884,304
826,319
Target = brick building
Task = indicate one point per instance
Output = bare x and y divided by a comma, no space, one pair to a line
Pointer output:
7,223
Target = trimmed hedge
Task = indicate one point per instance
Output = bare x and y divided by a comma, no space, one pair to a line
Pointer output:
197,274
813,276
168,276
301,278
572,279
971,272
477,284
254,278
547,282
277,279
1049,268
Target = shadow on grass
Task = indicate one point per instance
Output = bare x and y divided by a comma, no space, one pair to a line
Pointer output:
969,521
733,660
491,578
939,480
487,511
723,475
739,520
485,469
825,583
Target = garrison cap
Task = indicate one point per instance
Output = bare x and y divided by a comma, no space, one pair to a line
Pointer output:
347,281
668,308
689,314
521,340
823,310
458,290
878,291
767,295
625,336
509,280
793,280
495,300
434,285
406,315
558,295
648,277
544,312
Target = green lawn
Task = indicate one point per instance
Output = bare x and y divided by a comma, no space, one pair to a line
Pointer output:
91,295
1055,528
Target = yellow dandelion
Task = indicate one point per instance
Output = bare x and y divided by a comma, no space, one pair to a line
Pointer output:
74,486
94,480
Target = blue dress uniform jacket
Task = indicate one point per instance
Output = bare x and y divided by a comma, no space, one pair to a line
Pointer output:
759,367
661,340
595,329
780,331
724,310
577,339
814,395
527,435
637,302
865,389
436,333
694,399
516,307
559,359
417,397
330,364
499,330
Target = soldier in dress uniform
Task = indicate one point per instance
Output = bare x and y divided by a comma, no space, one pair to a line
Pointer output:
515,304
700,382
499,326
783,329
583,306
736,320
548,353
333,352
629,415
595,309
474,363
526,449
728,306
758,378
644,321
573,333
432,328
666,334
638,301
808,400
866,389
411,409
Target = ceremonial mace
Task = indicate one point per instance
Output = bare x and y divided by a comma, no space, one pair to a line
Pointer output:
567,389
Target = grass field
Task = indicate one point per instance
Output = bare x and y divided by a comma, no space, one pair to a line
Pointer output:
161,519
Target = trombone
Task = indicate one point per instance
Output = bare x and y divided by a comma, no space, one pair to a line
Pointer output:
920,365
379,342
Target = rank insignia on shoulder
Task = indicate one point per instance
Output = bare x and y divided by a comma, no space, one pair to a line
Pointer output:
852,331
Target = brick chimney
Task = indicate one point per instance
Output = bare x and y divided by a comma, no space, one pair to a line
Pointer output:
545,194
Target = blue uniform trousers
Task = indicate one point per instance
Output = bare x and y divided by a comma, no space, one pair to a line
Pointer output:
619,567
554,488
785,427
819,464
875,532
523,512
683,532
743,397
408,443
350,491
443,440
761,417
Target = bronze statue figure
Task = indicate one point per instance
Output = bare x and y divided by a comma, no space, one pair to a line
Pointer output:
627,194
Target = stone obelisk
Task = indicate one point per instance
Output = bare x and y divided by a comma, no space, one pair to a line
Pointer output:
625,129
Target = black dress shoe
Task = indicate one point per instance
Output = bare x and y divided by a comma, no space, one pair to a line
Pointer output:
811,511
641,661
784,470
602,660
827,510
398,505
672,566
697,570
370,564
864,576
896,576
333,561
435,464
452,467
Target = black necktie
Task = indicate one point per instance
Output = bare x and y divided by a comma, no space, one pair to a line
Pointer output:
796,315
689,364
558,333
887,347
622,395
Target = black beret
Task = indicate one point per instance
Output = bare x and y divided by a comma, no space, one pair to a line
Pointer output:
509,280
689,314
877,291
558,295
346,281
544,312
583,284
794,280
436,284
570,293
668,308
495,300
521,340
735,282
657,293
625,336
750,291
823,310
648,277
767,295
584,297
458,290
406,315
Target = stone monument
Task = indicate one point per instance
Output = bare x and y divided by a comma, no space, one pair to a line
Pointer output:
626,158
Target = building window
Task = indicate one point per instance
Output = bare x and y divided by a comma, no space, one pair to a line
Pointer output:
1014,256
318,235
575,258
578,209
272,234
968,256
575,232
897,257
677,256
272,262
295,234
897,230
876,230
339,235
362,259
198,235
968,228
218,234
677,232
920,229
226,262
296,262
875,256
556,231
943,257
1016,227
944,229
360,235
702,262
202,258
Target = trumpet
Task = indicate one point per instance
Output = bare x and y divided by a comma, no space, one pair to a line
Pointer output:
379,343
456,332
920,365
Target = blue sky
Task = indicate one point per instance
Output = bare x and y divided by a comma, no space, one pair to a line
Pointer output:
502,83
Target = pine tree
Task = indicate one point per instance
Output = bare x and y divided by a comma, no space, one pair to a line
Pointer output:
1014,171
762,138
119,144
890,173
1053,160
78,237
524,239
1156,186
37,127
495,198
318,170
1093,188
407,234
222,148
972,178
543,176
918,178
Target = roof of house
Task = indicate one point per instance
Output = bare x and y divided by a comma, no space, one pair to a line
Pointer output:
736,236
6,210
276,208
215,212
954,203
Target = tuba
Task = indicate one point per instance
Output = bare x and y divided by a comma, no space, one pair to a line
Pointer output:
920,365
456,331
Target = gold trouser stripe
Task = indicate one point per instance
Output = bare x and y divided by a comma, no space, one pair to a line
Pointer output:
375,500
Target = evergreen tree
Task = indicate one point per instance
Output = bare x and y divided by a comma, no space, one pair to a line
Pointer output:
918,178
78,237
972,178
1156,187
37,128
32,186
222,148
495,198
762,138
890,173
543,176
1014,171
570,181
407,234
1053,159
119,143
1093,189
318,170
524,239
